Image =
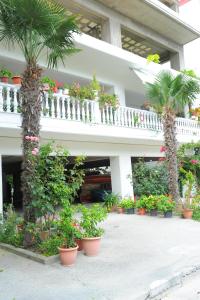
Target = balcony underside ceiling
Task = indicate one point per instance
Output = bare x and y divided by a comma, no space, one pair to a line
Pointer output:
110,64
157,16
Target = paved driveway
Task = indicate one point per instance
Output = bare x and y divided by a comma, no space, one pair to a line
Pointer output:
136,251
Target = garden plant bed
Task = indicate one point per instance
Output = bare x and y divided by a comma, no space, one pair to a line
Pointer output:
30,254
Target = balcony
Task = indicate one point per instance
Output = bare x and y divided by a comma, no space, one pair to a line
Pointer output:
64,115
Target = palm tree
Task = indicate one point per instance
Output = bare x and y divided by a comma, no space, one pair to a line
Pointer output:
169,95
41,29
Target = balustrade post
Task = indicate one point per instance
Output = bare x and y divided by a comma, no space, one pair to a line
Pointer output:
1,98
97,113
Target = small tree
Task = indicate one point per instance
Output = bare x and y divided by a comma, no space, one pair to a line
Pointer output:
149,179
169,95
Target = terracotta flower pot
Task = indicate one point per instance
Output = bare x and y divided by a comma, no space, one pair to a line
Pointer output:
141,211
44,235
20,227
187,213
16,79
4,79
113,209
91,246
80,244
68,256
120,210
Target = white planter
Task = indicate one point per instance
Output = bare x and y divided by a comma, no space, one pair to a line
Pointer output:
66,92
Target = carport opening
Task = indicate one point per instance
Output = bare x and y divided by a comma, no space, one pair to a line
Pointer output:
11,171
97,180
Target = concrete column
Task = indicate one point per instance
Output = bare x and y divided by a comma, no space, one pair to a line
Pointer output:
1,186
121,169
177,60
120,92
111,32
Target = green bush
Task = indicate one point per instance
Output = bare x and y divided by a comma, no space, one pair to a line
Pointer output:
50,246
149,179
8,229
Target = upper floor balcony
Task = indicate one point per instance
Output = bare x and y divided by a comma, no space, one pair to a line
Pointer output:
69,118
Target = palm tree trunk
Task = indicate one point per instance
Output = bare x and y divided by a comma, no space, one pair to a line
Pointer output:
31,110
169,127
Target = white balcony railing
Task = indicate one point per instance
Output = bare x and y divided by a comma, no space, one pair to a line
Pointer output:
61,106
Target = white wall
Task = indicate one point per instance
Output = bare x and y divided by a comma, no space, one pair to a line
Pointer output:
191,13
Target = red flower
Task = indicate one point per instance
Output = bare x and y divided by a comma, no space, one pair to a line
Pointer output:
162,159
162,149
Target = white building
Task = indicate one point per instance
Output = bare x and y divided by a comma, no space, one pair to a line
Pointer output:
117,37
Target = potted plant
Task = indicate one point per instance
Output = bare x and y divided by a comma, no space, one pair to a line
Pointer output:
111,201
166,206
189,183
47,84
120,208
128,205
16,79
152,205
5,75
90,219
44,231
68,247
95,86
141,206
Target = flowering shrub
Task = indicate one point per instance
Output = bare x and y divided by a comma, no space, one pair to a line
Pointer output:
53,182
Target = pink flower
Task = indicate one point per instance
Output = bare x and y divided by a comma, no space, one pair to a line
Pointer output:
194,161
162,149
36,139
34,152
32,138
27,137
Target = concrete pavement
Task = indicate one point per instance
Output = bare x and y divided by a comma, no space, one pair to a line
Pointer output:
136,251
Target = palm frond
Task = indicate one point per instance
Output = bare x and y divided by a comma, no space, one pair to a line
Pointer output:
38,24
174,92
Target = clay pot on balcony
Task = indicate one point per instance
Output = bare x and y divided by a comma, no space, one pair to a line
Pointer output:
66,92
91,246
187,213
68,256
4,79
16,79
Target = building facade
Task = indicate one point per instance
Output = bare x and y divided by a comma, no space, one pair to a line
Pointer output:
116,38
